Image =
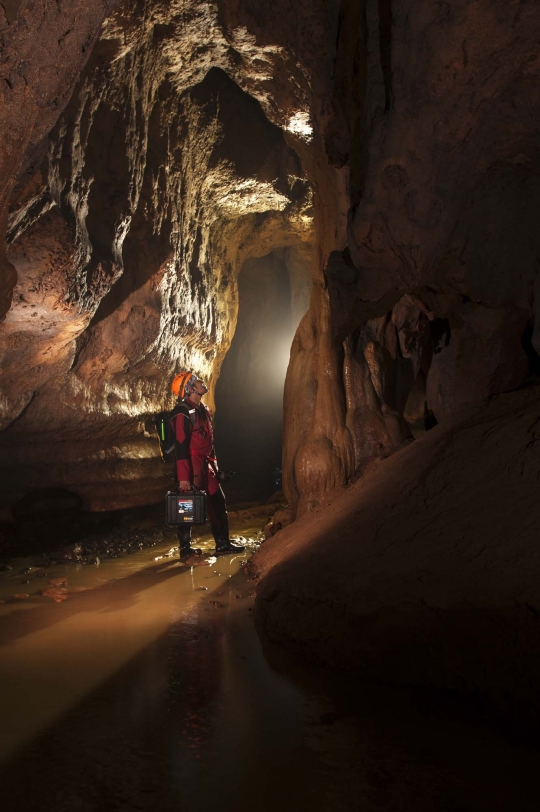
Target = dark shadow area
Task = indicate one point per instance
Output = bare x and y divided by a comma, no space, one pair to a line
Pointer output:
443,516
532,355
249,393
46,520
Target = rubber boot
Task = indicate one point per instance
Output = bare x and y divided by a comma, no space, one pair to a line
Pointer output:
224,544
184,538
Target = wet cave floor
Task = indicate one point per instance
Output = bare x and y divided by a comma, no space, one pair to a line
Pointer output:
144,686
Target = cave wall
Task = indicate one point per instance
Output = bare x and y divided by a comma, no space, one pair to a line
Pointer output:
398,138
44,47
430,294
127,239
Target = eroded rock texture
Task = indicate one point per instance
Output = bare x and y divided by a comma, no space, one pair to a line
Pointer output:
392,146
158,183
425,570
44,46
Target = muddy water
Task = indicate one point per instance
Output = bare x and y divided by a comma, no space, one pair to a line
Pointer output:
148,689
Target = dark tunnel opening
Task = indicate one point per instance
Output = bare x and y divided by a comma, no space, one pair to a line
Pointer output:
273,296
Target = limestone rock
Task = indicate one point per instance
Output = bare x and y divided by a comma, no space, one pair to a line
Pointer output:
156,185
442,162
44,46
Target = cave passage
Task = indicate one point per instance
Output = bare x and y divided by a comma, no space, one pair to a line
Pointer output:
273,296
222,186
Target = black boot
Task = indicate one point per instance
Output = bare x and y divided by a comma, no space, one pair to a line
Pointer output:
224,544
219,521
184,538
227,545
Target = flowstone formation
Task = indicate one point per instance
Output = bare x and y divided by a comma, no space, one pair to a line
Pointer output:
425,571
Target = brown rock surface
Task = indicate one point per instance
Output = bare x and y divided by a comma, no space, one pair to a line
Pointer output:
157,185
44,46
441,146
398,139
426,570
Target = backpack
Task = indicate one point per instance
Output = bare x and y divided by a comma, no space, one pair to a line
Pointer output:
163,424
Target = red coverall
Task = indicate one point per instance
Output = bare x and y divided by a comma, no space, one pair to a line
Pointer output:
194,454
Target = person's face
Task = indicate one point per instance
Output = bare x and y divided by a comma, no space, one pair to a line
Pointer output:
199,388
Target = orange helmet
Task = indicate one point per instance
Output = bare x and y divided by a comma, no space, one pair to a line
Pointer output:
181,383
184,383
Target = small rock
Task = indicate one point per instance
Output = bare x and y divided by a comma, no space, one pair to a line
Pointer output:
57,594
58,582
20,596
72,553
202,588
5,568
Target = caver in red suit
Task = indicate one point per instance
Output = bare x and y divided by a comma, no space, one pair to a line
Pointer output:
196,463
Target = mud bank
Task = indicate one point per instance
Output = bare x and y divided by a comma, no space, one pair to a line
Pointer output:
426,571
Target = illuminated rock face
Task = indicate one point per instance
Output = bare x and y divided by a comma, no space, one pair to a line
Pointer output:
398,139
44,47
127,240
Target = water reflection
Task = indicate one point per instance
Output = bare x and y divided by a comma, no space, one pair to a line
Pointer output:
152,692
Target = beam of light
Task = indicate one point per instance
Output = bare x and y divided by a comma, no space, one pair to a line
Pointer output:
52,656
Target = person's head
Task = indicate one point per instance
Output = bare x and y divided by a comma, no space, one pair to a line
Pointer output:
188,385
